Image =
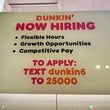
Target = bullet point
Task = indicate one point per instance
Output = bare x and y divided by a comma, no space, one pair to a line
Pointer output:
16,37
15,44
14,51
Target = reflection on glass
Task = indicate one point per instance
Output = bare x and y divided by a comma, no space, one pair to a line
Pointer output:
98,66
2,107
91,107
107,66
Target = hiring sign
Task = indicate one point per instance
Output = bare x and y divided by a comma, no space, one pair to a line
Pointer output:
55,53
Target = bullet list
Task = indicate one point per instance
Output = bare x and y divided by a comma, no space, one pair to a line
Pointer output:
15,44
14,51
16,37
